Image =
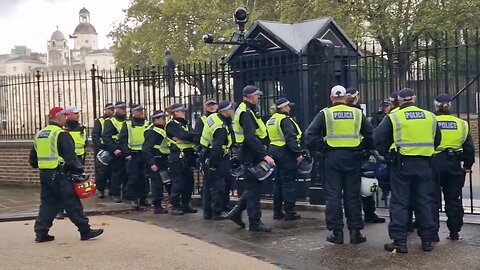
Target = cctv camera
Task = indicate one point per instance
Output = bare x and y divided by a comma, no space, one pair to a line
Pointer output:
240,15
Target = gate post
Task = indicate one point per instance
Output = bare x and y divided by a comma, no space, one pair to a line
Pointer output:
39,102
94,92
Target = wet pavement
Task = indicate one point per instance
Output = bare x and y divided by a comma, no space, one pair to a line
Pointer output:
301,244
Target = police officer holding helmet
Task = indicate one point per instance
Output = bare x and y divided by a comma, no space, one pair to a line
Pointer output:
156,148
285,136
130,141
54,154
102,172
415,135
249,132
181,160
340,129
455,147
110,139
217,137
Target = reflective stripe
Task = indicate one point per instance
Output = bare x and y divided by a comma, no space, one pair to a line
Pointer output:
135,135
351,138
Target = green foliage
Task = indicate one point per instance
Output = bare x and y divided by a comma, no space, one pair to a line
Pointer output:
152,26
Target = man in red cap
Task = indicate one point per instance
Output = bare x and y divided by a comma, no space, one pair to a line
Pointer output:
54,154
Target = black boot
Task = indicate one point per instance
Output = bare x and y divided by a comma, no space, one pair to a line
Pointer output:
60,215
336,237
44,238
454,236
158,209
436,238
116,199
236,216
278,215
258,226
399,246
356,237
91,234
189,210
219,216
292,216
427,245
176,211
373,218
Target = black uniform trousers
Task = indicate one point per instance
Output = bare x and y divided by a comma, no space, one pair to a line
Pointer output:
119,177
182,181
250,198
368,205
284,185
342,182
103,174
214,188
157,182
449,179
61,209
137,184
57,190
412,183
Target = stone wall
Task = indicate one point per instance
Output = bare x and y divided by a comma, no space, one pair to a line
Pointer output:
14,167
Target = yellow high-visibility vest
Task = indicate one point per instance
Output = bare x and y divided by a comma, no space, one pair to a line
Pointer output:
454,132
181,144
79,138
118,126
275,133
164,146
414,131
135,135
342,125
46,146
261,130
214,122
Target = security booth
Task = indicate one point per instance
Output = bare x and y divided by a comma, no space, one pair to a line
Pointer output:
301,61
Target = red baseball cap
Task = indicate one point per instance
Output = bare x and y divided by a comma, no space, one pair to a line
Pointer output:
58,111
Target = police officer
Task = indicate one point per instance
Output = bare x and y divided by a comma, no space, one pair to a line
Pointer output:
102,172
394,105
181,160
156,148
368,203
130,141
54,154
378,116
110,139
415,133
78,132
249,132
210,107
341,128
217,137
285,135
455,147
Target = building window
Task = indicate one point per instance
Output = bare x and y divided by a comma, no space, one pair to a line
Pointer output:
53,43
86,40
14,69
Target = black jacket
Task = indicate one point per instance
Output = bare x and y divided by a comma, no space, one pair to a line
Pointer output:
383,135
176,130
220,138
97,134
152,138
66,149
109,131
123,136
468,155
252,150
317,130
377,118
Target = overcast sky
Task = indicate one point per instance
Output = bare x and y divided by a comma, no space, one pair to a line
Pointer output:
32,22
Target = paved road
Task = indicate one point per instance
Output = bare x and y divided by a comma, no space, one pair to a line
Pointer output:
125,244
301,245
